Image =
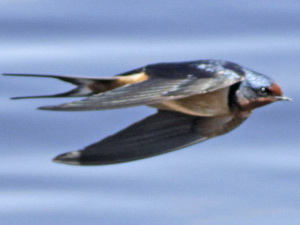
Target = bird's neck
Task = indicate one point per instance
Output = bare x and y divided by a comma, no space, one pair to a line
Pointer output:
236,102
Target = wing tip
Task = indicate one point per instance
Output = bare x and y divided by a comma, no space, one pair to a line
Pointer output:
29,97
48,107
72,106
62,107
70,158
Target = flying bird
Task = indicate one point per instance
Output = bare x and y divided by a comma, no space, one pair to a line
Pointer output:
196,100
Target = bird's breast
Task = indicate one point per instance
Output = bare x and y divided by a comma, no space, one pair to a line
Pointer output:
209,104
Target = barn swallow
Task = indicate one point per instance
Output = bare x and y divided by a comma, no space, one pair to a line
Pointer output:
196,101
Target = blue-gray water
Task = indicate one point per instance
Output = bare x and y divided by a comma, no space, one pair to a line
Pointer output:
250,176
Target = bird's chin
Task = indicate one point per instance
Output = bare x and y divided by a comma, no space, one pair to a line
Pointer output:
250,104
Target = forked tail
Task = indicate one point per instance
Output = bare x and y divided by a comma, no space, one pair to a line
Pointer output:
84,86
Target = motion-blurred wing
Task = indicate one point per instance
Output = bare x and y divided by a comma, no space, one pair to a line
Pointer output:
159,133
165,81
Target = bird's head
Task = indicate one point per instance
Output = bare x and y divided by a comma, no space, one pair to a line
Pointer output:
258,90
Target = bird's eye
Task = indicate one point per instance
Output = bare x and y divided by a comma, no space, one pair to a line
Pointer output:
263,91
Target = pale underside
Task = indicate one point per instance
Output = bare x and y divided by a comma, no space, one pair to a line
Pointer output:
208,104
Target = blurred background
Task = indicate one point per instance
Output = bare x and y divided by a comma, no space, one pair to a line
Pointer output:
250,176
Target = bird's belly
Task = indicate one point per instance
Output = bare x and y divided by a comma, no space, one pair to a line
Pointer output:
209,104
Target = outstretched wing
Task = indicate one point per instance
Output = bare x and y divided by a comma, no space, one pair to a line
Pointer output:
162,132
152,84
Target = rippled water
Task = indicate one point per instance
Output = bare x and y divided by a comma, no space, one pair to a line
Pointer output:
250,176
